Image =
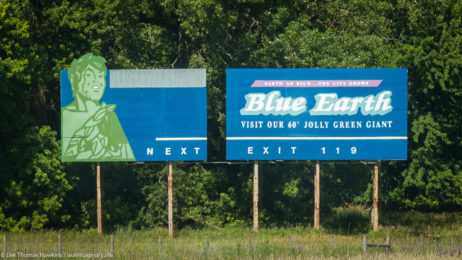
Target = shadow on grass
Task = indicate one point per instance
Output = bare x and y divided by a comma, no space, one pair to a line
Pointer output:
346,221
353,220
440,224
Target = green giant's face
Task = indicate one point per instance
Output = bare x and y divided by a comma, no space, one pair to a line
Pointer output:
92,83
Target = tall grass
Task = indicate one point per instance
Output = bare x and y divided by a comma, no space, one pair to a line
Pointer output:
414,236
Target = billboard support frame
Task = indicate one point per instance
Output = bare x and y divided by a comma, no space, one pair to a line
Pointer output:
317,196
132,91
170,199
375,197
98,198
375,203
255,196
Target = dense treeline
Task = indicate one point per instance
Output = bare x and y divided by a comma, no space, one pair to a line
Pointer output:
39,38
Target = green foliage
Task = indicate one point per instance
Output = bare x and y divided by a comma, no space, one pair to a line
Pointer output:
298,47
13,31
349,220
286,193
13,64
432,179
196,201
33,182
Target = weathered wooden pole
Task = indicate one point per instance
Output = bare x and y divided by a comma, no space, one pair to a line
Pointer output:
159,240
60,245
375,204
98,198
364,243
248,244
4,247
206,244
255,196
316,196
170,199
112,246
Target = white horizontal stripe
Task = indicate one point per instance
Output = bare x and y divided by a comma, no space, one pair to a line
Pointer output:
322,138
181,138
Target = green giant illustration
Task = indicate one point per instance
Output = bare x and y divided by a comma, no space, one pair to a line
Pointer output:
91,131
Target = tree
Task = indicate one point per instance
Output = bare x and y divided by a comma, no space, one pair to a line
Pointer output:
431,49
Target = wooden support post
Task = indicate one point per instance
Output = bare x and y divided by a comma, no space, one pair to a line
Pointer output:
206,245
98,198
375,206
290,243
112,246
170,199
364,243
248,244
255,196
159,240
388,245
316,196
4,247
60,246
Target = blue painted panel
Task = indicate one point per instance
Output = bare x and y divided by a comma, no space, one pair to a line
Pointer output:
327,114
160,123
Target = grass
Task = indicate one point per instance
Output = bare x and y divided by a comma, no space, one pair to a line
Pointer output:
413,235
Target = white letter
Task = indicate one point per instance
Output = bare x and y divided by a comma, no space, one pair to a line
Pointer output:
368,105
269,100
168,151
355,105
197,149
323,100
254,104
150,151
249,150
183,150
384,100
341,105
299,106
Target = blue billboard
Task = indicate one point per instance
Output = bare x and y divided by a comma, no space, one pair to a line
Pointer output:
316,114
132,115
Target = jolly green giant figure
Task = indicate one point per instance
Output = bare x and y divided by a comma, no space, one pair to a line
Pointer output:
91,131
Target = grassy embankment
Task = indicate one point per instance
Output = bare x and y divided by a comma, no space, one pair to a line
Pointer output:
413,236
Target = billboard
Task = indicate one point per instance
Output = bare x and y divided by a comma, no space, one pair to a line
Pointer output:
132,115
316,114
